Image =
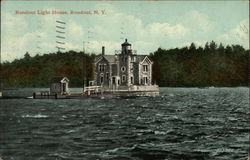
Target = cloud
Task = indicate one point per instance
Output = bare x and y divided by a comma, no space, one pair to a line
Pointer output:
145,47
110,30
13,25
17,38
72,46
173,32
95,46
128,26
74,31
197,21
112,46
14,36
197,44
239,34
202,21
16,47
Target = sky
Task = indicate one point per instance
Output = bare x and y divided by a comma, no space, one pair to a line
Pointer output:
147,25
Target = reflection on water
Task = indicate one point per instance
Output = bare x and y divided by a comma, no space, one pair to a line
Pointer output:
182,123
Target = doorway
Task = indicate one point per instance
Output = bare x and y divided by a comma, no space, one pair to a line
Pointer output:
113,80
64,87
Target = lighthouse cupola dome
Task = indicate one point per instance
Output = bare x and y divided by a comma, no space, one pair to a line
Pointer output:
126,47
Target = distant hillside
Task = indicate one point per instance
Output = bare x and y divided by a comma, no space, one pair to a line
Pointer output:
38,70
212,65
190,66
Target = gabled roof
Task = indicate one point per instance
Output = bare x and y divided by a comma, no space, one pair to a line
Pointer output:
59,79
109,58
140,58
146,59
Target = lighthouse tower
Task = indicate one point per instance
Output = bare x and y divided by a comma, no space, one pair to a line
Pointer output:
126,47
125,64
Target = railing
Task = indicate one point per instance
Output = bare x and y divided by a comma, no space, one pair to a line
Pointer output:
92,89
120,51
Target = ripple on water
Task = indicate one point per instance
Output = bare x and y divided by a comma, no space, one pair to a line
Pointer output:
183,123
34,116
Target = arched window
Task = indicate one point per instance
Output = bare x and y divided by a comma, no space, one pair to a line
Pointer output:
101,78
132,80
123,78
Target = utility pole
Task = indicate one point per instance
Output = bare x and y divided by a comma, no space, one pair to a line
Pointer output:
86,56
1,94
84,66
0,65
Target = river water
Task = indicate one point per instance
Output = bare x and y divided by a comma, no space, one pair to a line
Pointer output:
181,123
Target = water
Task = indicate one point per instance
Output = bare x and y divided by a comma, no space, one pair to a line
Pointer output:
182,123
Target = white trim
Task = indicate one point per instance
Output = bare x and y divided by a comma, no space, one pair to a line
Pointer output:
146,57
64,78
139,74
99,59
122,68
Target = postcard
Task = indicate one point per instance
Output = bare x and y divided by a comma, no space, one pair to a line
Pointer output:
124,80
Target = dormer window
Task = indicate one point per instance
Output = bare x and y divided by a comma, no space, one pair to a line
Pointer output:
101,67
145,68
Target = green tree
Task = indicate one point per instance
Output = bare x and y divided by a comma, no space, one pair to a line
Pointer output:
212,46
27,56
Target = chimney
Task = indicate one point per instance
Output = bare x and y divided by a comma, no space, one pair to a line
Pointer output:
103,50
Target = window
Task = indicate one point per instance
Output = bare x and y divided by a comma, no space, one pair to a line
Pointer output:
101,67
123,69
113,80
91,83
132,80
55,86
145,79
107,75
124,59
145,68
123,78
101,78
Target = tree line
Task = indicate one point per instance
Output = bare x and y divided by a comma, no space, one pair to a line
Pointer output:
211,65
